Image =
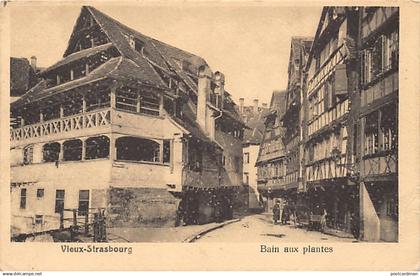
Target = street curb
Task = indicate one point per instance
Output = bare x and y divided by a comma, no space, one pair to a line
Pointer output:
197,235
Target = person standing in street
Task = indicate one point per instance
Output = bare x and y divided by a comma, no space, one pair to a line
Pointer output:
276,212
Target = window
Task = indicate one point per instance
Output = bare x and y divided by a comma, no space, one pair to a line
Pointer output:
371,133
195,157
51,152
98,99
83,202
97,147
246,158
246,178
392,207
237,163
166,151
381,56
59,201
389,128
138,101
23,198
72,150
149,104
139,149
39,219
28,155
39,193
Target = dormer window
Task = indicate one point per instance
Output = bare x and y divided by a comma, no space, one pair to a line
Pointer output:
132,42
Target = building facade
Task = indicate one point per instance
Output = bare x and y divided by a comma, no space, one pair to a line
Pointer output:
377,125
271,162
331,79
253,116
127,124
339,128
293,120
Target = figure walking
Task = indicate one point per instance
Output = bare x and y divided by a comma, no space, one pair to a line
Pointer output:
276,212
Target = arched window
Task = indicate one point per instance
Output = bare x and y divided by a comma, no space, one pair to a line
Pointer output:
51,152
137,149
97,147
72,150
28,154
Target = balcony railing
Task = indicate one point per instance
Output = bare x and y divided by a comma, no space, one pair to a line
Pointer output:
66,124
327,117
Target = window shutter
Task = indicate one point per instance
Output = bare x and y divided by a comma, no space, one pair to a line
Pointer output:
340,80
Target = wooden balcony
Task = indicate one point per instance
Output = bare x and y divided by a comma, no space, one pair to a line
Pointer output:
328,117
326,169
57,127
379,165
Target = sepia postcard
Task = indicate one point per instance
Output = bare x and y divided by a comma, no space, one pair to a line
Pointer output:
219,135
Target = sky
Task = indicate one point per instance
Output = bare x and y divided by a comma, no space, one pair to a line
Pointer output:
249,43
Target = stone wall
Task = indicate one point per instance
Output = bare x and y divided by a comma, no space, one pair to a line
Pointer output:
141,207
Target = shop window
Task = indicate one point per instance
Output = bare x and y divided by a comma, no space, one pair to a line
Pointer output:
28,155
83,202
39,193
51,152
138,149
72,150
97,147
23,198
59,201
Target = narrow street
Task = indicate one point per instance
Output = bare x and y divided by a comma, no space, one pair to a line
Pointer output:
260,228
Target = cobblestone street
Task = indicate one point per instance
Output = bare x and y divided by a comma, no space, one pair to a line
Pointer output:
260,228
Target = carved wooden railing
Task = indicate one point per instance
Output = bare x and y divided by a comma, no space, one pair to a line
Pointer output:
327,117
326,169
66,124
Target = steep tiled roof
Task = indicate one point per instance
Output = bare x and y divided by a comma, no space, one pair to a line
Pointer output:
78,56
255,133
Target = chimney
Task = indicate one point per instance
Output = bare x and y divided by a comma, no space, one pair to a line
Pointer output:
220,89
255,105
241,105
204,88
33,62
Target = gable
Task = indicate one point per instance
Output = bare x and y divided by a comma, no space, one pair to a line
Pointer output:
87,33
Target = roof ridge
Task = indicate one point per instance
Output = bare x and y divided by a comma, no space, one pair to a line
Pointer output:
151,39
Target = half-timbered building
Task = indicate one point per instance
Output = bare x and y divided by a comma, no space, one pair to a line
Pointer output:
271,162
292,120
377,136
330,79
129,124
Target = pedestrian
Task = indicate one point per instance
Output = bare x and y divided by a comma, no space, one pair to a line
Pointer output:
323,221
285,214
276,212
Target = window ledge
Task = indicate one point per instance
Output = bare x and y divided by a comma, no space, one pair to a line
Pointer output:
141,162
